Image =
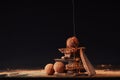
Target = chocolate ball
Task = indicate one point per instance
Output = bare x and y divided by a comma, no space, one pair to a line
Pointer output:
72,42
59,67
49,69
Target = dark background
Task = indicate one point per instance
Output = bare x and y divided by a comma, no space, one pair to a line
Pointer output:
31,31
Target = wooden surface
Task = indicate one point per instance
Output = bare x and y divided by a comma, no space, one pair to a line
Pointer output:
41,73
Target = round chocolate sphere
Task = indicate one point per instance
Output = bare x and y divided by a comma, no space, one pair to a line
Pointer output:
59,67
72,42
49,69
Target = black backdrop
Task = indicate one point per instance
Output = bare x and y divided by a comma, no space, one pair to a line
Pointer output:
31,31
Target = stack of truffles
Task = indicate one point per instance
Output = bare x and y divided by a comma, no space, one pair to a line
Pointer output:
74,60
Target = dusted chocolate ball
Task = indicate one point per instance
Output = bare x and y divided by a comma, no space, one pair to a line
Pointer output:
49,69
72,42
59,67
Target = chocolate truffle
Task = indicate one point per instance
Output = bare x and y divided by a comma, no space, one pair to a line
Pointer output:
59,67
49,69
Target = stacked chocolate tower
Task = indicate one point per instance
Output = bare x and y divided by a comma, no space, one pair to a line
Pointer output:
71,58
73,62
